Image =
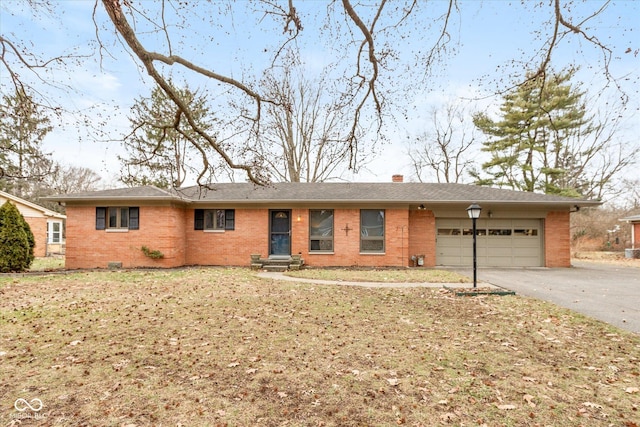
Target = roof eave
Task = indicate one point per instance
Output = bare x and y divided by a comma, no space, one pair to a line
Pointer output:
568,203
63,199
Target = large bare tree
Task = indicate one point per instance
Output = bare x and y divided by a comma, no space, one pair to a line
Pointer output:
368,45
443,151
65,179
306,130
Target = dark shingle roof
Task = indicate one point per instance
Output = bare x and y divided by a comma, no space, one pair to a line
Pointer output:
147,192
406,192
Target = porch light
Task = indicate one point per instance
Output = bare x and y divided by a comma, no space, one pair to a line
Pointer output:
474,213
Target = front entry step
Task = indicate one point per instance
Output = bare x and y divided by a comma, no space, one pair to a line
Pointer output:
276,268
278,264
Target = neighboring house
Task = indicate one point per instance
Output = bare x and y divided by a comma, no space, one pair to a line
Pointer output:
635,230
46,225
329,224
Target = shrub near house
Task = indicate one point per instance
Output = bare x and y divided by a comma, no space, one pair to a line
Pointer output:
16,240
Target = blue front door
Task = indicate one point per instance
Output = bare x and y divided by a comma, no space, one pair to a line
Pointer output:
280,232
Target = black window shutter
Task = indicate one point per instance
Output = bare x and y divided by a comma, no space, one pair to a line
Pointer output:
229,219
101,218
198,221
134,218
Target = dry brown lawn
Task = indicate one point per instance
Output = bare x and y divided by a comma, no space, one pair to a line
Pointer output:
382,275
221,347
611,258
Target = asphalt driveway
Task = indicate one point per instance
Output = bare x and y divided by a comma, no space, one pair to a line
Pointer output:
605,292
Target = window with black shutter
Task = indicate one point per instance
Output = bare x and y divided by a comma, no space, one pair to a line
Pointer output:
101,218
198,221
230,219
134,218
117,218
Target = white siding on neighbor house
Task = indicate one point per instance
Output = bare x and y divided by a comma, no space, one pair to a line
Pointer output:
26,211
500,242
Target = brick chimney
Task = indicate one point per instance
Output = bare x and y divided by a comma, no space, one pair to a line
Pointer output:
397,178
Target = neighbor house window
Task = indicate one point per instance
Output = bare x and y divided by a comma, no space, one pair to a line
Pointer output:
117,218
321,230
54,231
214,219
372,230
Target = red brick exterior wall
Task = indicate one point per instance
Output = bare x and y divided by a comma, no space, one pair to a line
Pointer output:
636,234
161,228
170,229
557,240
229,247
422,239
38,227
347,243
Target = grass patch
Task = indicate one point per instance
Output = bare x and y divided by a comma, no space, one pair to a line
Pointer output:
47,264
421,275
216,346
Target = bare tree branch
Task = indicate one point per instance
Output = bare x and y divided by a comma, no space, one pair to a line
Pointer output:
117,15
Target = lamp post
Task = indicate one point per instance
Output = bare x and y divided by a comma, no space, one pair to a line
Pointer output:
474,214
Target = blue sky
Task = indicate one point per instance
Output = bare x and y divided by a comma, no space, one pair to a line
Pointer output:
486,37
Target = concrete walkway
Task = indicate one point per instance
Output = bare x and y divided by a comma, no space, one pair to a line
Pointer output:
281,276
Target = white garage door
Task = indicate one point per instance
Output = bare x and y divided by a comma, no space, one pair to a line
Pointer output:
500,242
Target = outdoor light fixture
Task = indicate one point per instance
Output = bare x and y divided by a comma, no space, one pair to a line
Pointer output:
474,213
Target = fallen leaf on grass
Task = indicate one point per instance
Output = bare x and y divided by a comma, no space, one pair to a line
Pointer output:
232,364
76,342
448,417
251,371
506,407
393,381
529,399
632,390
592,405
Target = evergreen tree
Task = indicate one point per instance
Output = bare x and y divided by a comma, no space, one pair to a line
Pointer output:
529,143
160,147
22,130
16,240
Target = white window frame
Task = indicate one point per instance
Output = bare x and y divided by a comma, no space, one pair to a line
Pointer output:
51,233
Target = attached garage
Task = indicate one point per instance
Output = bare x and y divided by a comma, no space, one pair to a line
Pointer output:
500,242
